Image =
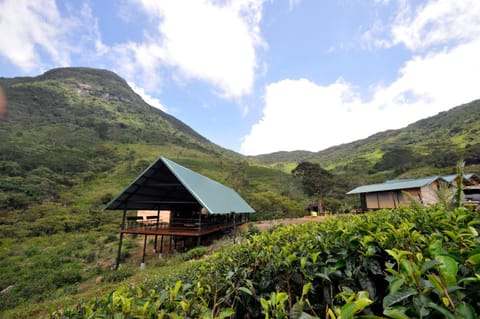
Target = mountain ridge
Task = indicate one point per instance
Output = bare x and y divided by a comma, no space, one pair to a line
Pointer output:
453,122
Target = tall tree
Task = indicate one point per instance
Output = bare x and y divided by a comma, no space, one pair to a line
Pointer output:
315,180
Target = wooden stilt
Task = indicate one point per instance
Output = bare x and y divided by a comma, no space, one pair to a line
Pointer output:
234,229
156,226
121,237
142,266
161,245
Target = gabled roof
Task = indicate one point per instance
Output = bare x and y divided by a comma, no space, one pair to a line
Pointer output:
168,185
467,177
395,185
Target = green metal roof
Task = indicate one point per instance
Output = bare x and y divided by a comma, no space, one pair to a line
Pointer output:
395,185
467,177
168,185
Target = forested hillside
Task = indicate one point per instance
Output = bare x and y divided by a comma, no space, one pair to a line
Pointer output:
73,126
428,147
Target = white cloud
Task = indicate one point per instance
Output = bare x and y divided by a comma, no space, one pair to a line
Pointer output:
204,40
139,62
433,23
27,27
293,3
36,36
438,23
147,97
299,114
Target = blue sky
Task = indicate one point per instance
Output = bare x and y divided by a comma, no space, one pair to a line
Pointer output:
262,76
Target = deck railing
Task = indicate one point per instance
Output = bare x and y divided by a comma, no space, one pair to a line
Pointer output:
151,222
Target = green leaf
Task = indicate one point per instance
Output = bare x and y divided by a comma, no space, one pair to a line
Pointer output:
323,276
398,296
351,308
473,230
306,288
264,304
442,310
303,262
176,289
282,297
246,290
348,310
465,311
395,285
437,283
468,279
474,260
428,265
396,312
314,256
227,312
452,235
448,269
435,247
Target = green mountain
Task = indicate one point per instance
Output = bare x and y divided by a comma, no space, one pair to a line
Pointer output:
72,126
75,137
428,147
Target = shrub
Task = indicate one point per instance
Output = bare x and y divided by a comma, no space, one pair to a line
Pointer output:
251,231
118,275
195,253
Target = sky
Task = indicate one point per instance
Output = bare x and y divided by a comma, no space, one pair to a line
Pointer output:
260,76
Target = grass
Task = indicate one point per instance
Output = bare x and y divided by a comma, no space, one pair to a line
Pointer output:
78,247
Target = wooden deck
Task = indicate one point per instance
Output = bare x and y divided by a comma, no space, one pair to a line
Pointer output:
178,231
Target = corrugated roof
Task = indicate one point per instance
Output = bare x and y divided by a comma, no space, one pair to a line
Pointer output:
167,185
452,177
394,185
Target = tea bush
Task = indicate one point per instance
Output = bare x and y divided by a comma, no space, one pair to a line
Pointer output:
405,263
195,253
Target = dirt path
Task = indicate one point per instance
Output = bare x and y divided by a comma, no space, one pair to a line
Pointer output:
267,224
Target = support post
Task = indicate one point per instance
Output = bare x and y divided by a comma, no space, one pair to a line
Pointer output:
142,265
122,227
200,220
161,246
234,228
156,236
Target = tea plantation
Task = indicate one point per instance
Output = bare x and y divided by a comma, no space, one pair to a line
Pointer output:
406,263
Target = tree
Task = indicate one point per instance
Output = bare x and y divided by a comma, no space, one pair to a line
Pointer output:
237,177
315,180
399,159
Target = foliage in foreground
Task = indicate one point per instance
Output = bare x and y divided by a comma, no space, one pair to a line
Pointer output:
408,263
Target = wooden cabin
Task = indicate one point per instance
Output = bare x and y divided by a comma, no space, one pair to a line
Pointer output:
181,205
392,194
395,193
